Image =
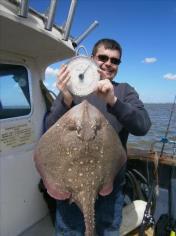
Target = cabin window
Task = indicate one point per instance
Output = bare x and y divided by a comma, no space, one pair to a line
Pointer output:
14,91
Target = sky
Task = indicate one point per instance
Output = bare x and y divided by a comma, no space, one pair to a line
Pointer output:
146,30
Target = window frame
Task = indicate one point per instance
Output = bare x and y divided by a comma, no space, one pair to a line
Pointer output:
29,80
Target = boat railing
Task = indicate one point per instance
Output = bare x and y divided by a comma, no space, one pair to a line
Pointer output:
164,141
48,19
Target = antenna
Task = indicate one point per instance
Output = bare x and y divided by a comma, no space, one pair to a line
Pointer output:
86,32
23,8
69,20
50,15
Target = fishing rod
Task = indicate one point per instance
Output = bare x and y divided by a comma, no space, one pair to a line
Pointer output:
171,227
172,195
148,219
164,140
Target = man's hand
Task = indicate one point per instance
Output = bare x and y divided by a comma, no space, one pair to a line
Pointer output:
61,83
105,89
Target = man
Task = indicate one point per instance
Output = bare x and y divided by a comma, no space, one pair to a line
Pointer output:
120,104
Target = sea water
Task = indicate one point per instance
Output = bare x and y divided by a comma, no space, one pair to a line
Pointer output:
159,115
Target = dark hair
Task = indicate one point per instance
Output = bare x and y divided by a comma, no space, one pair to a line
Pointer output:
108,44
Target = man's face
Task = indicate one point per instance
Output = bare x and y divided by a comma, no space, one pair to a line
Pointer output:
107,59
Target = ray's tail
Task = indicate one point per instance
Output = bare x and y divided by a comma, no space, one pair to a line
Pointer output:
86,202
89,218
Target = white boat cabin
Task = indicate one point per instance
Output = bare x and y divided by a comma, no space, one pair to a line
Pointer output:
29,43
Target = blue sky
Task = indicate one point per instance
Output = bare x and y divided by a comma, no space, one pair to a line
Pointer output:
146,29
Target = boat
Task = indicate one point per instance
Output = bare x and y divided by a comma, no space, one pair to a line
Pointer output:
29,43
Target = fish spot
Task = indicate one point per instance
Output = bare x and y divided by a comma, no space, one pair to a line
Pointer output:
68,152
80,174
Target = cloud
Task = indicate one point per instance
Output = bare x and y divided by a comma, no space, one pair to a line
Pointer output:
170,76
149,60
54,85
51,71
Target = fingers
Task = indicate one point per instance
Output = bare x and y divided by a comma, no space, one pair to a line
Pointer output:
102,74
105,90
62,73
104,86
62,85
62,77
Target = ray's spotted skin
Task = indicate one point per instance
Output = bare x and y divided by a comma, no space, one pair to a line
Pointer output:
79,157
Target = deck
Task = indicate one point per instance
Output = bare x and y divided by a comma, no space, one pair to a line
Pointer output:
43,227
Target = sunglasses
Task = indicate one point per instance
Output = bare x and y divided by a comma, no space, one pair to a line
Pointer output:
105,58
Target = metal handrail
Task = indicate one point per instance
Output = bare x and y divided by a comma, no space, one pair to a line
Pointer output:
86,32
69,20
23,8
50,16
